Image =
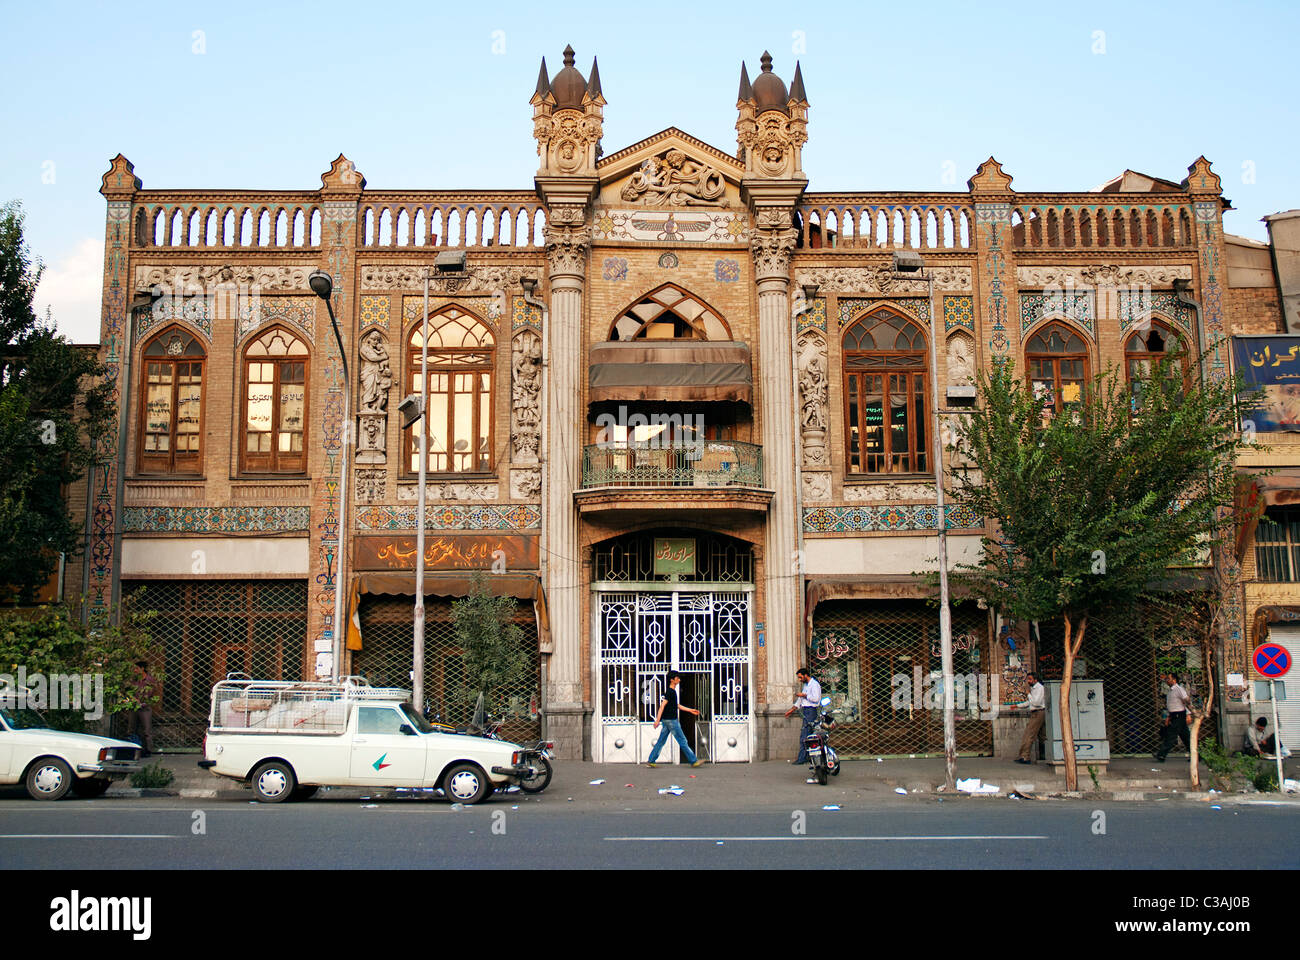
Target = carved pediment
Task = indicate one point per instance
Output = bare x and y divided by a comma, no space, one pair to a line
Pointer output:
670,170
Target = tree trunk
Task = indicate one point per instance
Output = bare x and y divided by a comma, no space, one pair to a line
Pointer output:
1207,653
1072,644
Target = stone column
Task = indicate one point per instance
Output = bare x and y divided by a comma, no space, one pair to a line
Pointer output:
566,250
771,249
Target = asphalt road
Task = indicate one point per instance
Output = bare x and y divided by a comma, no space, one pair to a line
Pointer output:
512,831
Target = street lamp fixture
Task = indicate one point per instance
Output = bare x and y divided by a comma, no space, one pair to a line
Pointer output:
323,286
908,262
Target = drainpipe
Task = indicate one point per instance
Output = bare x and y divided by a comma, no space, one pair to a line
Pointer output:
1182,295
529,284
124,419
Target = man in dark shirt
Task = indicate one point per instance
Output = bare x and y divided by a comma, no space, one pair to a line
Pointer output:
667,715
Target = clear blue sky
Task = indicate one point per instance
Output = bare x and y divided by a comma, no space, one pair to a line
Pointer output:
420,96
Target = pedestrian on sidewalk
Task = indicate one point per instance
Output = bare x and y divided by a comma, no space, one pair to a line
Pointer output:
1177,700
141,719
807,701
1037,704
667,715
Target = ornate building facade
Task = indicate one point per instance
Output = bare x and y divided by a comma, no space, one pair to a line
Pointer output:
681,409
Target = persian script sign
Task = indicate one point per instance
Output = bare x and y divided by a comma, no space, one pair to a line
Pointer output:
673,556
447,552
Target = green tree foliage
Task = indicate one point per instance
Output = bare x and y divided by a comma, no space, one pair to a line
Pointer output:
51,639
51,404
1091,508
492,642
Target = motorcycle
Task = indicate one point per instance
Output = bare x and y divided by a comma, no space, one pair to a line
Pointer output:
536,755
821,755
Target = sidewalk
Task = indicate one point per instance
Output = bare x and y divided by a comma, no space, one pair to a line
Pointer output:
718,786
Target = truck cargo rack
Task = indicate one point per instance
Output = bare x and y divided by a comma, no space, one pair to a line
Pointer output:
285,706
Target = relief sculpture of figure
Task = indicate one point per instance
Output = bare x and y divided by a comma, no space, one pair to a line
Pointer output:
675,180
376,373
813,389
961,362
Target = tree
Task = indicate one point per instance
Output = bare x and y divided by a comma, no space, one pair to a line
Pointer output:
52,402
1091,507
492,642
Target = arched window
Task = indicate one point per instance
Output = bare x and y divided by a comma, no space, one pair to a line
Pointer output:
275,403
670,313
171,415
1057,359
1143,351
885,386
462,358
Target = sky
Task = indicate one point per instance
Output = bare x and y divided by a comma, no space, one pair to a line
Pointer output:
904,96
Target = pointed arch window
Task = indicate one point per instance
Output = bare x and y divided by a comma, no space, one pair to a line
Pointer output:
885,389
275,403
1145,349
670,313
462,361
171,411
1057,360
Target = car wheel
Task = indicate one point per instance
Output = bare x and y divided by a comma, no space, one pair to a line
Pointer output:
541,780
304,793
49,779
91,787
274,782
466,783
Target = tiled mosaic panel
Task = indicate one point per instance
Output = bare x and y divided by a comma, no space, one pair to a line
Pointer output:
297,311
483,307
814,316
215,519
726,271
1134,305
614,268
196,310
958,312
437,517
850,308
887,518
522,314
1075,306
374,312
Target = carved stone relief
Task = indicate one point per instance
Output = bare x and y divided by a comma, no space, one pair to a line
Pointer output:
482,278
283,277
410,492
673,179
814,395
881,279
1103,275
816,486
376,373
370,485
372,438
771,250
525,393
566,249
952,427
961,360
877,492
525,484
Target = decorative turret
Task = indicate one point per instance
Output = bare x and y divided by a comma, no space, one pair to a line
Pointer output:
567,119
772,126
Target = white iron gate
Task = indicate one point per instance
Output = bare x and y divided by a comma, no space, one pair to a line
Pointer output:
704,636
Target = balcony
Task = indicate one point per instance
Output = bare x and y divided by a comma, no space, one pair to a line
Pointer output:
648,481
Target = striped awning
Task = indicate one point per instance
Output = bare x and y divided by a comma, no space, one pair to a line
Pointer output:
672,370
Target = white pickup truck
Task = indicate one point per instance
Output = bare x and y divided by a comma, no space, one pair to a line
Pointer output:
287,739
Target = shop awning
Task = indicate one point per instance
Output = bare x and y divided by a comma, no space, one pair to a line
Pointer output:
521,586
1257,491
672,370
857,587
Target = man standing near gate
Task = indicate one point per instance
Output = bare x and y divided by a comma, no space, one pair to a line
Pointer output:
668,708
1176,703
808,700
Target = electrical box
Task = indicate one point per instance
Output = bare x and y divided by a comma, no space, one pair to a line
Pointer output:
1087,720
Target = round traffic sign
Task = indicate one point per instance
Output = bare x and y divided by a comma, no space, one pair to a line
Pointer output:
1272,660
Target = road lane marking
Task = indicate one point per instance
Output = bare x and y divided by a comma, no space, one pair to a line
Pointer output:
90,836
802,838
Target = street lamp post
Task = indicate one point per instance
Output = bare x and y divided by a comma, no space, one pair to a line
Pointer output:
323,287
909,262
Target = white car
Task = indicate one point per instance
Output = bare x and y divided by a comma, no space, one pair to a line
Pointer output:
52,762
287,739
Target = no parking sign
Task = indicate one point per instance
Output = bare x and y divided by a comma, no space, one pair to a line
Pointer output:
1272,660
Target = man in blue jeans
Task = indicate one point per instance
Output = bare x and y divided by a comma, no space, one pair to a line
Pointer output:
807,701
667,714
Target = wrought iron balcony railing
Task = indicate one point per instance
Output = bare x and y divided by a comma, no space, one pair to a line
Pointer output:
715,463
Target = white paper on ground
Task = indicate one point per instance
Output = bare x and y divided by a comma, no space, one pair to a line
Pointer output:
969,785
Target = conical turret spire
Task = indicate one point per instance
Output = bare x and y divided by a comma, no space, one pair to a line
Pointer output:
593,83
745,92
796,85
543,82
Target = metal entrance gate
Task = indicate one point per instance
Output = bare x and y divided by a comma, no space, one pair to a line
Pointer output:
704,636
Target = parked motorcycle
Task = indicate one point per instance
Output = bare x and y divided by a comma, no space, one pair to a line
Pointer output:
821,755
536,755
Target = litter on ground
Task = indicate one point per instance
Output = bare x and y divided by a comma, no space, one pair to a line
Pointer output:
831,806
595,783
675,791
900,790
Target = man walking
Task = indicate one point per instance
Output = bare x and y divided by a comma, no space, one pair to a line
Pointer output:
667,715
1177,700
808,700
1037,704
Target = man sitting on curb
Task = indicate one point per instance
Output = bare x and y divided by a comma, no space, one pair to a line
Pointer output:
1255,744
